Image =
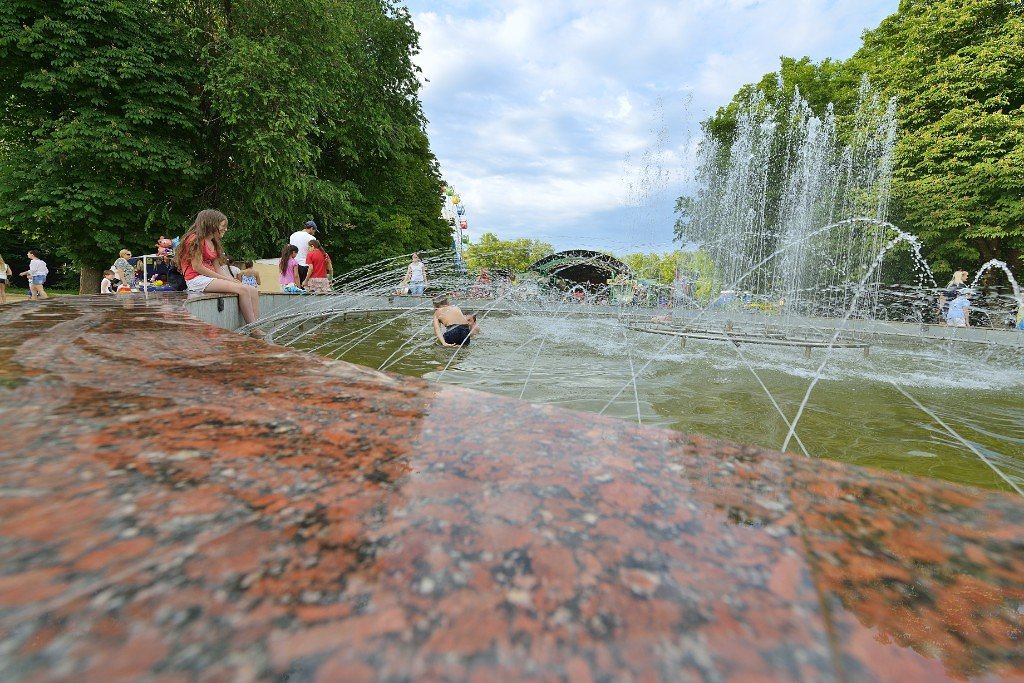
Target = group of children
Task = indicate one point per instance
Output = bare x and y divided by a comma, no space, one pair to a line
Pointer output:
315,276
164,272
199,261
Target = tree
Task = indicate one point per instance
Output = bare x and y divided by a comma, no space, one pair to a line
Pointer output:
125,119
514,255
955,67
99,129
314,113
696,267
831,81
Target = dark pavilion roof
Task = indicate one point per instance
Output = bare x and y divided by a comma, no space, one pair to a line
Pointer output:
581,266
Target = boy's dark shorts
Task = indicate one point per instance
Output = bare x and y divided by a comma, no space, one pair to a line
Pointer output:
458,335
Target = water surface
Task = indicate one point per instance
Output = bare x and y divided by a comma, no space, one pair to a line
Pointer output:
854,414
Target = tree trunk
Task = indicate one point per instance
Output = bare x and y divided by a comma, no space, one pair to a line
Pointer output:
89,279
1014,260
988,248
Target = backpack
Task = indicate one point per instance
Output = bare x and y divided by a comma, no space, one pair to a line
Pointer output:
176,280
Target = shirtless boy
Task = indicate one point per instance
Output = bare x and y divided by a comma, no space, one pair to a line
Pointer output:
458,327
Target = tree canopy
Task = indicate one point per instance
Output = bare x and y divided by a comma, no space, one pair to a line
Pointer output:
122,120
99,126
514,255
954,67
696,267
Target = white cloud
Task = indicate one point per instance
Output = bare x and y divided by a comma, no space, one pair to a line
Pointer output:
624,110
535,106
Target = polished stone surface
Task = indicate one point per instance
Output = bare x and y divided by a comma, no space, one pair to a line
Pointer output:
178,503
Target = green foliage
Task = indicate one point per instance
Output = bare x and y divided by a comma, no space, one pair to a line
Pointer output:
514,255
829,82
828,87
696,267
98,126
955,68
125,119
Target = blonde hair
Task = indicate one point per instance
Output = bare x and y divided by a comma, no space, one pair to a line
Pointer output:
123,252
959,278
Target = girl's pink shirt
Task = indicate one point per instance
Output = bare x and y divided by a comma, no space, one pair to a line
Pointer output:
288,278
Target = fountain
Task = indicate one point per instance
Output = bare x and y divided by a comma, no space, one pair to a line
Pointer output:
785,175
794,321
631,360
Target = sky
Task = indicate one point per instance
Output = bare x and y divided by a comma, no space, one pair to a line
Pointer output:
575,122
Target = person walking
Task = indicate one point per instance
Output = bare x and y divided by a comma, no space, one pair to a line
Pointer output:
36,274
5,277
958,312
416,276
958,282
300,239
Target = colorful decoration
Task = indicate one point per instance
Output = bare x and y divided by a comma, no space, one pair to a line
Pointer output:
461,210
165,246
456,199
464,225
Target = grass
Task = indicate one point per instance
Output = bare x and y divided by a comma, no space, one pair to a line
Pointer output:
16,294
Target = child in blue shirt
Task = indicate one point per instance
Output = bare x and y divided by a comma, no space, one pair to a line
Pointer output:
959,313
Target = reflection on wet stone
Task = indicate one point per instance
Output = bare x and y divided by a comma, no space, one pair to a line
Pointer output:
339,538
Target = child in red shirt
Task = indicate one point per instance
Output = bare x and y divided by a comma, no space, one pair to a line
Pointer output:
319,263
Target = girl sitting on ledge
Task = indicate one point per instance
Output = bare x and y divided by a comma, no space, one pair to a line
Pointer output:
199,258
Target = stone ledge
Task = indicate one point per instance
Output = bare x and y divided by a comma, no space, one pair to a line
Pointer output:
315,520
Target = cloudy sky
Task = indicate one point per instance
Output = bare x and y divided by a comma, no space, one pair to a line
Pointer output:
574,121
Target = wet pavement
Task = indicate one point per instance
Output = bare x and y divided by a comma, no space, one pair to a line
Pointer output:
178,503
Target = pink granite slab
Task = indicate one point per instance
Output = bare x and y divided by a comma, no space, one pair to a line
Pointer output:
182,503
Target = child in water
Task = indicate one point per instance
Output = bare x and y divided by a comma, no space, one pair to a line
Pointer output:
474,329
459,327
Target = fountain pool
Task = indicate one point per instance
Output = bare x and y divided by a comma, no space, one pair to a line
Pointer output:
790,222
861,411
